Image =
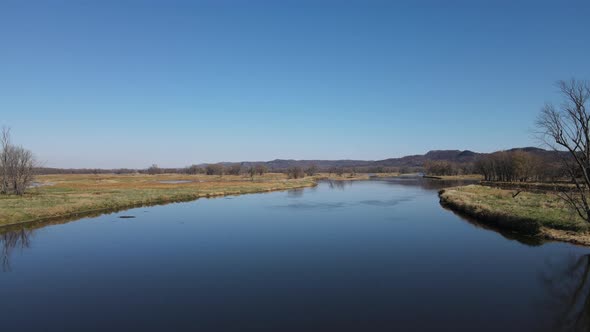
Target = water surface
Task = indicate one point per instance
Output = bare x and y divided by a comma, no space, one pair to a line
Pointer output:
376,255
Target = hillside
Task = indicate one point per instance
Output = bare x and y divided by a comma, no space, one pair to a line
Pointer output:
455,156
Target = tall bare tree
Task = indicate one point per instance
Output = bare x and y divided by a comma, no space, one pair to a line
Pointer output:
567,127
4,159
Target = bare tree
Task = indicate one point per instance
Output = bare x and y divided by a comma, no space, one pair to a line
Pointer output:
215,169
234,169
568,128
260,169
4,159
252,172
193,170
311,170
295,172
16,166
154,169
23,165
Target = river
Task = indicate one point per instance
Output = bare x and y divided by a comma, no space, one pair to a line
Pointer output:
378,255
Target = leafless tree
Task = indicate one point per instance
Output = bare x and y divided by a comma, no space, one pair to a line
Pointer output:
4,159
215,169
295,172
154,169
567,127
234,169
260,169
193,170
23,165
252,172
16,166
311,170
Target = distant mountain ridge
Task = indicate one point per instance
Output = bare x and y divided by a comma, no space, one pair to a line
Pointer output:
412,161
457,156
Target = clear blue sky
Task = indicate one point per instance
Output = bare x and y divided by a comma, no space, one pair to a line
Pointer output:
130,83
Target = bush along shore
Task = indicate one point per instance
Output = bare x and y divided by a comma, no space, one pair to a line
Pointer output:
537,214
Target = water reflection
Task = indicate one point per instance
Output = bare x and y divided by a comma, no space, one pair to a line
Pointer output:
387,203
428,184
528,240
11,240
568,288
345,266
339,184
295,193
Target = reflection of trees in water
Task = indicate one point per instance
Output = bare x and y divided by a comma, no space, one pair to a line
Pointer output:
295,192
11,240
568,287
339,184
428,184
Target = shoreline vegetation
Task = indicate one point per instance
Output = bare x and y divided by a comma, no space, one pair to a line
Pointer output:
537,214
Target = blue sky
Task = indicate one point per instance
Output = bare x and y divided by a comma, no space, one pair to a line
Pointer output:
130,83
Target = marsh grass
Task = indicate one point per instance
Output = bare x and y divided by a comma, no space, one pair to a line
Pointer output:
79,194
529,211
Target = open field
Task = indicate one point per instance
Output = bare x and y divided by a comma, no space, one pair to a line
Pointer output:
538,214
59,196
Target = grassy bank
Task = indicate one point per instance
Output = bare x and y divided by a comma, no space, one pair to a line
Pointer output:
60,196
536,214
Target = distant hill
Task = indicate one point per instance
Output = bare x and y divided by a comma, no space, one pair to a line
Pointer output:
419,160
412,161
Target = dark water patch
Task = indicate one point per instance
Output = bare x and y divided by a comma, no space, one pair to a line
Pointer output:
313,206
387,203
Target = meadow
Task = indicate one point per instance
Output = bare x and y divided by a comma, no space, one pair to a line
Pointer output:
60,196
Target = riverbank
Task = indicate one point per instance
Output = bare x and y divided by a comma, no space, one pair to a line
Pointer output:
542,215
71,195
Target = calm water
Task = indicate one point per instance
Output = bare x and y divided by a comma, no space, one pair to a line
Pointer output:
362,256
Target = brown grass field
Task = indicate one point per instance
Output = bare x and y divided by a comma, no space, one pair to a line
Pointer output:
61,196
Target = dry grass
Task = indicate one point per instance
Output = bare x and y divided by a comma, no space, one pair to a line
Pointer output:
66,195
540,214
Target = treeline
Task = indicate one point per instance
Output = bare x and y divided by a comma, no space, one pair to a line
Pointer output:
444,167
518,166
211,169
231,169
53,171
506,166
